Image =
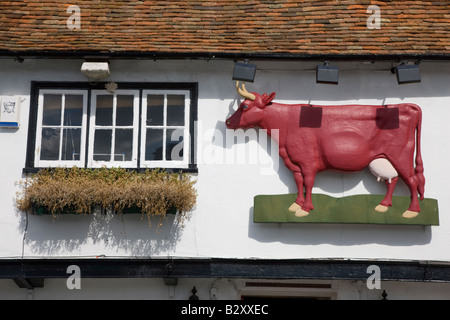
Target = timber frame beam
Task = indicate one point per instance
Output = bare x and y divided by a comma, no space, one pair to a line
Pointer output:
30,273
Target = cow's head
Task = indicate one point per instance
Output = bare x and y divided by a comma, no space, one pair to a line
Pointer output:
251,111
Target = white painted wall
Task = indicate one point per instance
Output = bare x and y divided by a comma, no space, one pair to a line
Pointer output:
219,289
221,225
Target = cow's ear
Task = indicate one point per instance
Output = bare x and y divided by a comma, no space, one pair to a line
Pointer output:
268,98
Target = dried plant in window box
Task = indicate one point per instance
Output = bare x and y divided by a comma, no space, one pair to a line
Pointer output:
79,191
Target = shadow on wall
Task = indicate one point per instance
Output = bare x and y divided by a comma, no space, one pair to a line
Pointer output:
100,234
338,234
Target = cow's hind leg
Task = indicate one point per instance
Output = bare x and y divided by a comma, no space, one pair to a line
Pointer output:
387,201
414,207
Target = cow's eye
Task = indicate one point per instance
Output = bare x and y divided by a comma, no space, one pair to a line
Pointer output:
245,107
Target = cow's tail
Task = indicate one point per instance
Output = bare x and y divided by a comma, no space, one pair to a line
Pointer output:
419,164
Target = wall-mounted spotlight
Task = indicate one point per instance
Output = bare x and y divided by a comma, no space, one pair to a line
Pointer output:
244,71
170,281
327,74
407,73
95,70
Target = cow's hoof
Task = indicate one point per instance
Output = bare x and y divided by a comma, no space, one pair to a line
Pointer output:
301,213
410,214
381,208
294,207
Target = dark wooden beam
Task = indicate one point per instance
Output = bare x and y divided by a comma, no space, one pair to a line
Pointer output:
26,270
29,283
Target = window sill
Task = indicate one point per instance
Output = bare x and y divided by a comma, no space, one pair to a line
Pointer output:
191,169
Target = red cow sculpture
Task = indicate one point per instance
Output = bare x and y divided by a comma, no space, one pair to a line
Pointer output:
345,138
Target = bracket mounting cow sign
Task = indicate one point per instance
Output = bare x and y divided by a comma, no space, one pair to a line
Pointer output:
343,138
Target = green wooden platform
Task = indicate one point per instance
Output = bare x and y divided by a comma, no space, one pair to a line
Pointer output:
351,209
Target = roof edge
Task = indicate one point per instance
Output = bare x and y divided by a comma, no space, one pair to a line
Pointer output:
87,54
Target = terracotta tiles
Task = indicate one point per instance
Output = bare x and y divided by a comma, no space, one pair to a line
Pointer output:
231,26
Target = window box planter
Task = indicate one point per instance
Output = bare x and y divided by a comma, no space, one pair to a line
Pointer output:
81,191
42,210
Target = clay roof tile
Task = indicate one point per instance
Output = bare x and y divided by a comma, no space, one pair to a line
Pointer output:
231,26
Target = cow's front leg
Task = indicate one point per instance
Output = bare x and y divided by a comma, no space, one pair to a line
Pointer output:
298,179
307,204
300,198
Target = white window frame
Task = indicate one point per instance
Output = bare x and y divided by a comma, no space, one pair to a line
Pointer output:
89,93
186,133
135,127
39,126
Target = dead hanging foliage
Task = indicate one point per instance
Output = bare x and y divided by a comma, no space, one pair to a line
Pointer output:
80,191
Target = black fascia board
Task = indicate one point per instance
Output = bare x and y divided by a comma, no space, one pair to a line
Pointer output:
324,269
157,55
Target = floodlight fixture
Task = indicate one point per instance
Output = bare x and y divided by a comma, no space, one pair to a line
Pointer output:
95,70
244,71
327,74
407,73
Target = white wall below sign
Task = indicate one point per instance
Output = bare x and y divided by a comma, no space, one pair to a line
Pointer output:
222,223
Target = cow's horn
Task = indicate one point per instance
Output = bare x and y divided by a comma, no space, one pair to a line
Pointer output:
243,92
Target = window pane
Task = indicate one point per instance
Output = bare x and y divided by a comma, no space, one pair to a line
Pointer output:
102,145
73,110
52,110
175,110
71,144
124,112
155,110
174,144
104,110
50,144
123,145
154,144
